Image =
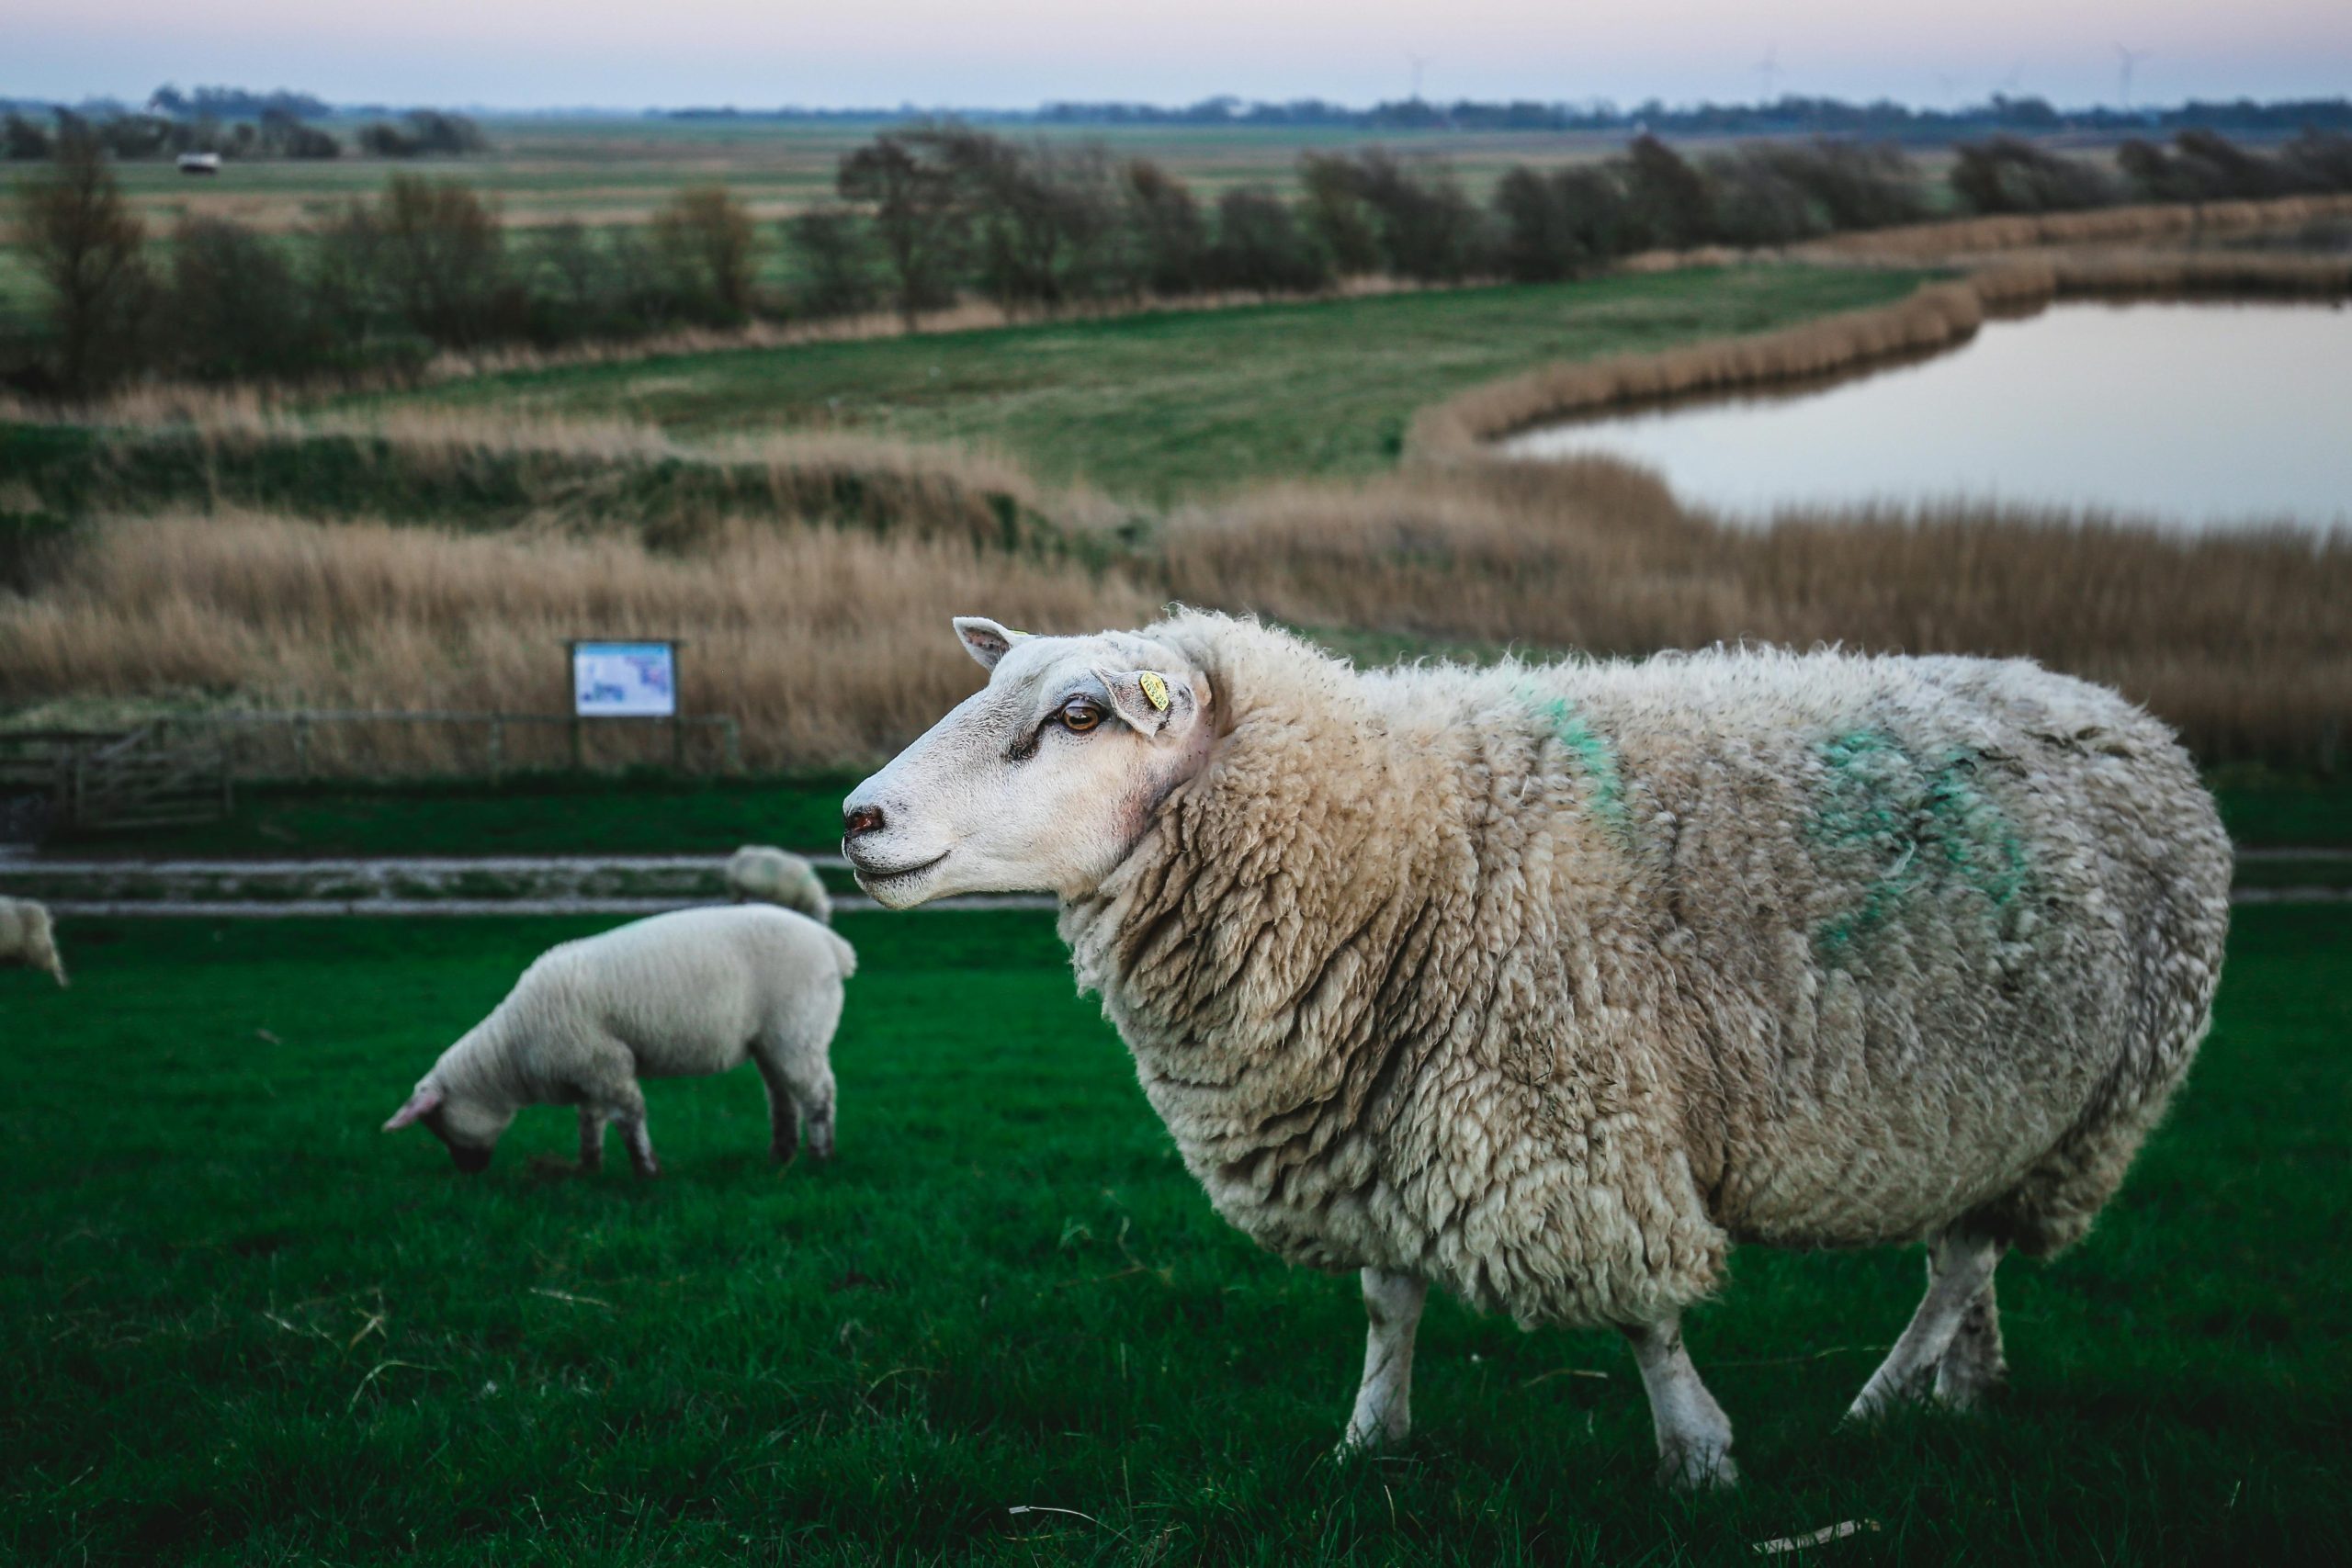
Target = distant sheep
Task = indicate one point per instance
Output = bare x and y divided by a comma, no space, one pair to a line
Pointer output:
28,937
682,994
1552,984
758,873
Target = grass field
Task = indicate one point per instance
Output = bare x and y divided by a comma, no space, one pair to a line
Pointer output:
1179,404
243,1327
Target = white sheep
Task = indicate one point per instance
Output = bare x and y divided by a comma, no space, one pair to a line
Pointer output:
763,874
681,995
28,937
1553,984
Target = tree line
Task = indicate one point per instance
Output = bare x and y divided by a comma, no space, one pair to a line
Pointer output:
926,214
274,131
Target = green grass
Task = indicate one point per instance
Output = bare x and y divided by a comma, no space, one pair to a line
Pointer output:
1184,403
242,1326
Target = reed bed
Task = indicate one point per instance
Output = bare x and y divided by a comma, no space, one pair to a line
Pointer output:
828,646
2241,640
1962,237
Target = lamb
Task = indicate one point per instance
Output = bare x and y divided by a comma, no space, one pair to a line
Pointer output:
1550,983
28,937
686,994
760,874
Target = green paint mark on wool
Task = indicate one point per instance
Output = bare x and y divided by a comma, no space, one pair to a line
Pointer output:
1595,756
1923,822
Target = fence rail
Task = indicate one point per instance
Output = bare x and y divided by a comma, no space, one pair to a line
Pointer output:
306,743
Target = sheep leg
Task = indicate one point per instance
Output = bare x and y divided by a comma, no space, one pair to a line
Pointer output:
627,1112
1973,1365
1960,1270
592,1138
1383,1412
784,1113
801,1094
1693,1433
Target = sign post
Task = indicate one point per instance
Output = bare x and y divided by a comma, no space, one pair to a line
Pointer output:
626,679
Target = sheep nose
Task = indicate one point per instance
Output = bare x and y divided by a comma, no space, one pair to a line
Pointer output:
861,819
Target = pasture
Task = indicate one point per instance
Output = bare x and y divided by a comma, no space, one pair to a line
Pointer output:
1176,404
244,1326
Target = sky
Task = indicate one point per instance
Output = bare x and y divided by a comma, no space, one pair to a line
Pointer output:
1016,53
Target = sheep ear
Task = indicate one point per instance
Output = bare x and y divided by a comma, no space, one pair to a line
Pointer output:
1152,703
985,641
423,1103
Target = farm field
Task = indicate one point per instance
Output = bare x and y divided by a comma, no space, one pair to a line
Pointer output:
1179,404
244,1325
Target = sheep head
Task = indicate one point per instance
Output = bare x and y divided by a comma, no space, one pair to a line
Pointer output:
1040,782
468,1131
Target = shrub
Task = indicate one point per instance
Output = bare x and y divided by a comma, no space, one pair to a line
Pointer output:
437,255
911,184
710,244
1539,242
1168,237
423,133
836,249
1045,217
1260,247
2006,175
1667,198
236,309
80,238
2320,160
1338,217
284,136
21,138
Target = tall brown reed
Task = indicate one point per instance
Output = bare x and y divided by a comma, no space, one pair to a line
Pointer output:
828,646
2242,640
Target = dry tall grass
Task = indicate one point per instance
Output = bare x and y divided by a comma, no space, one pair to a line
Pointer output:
830,647
2244,641
1959,237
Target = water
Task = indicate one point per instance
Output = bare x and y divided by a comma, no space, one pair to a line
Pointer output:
2194,415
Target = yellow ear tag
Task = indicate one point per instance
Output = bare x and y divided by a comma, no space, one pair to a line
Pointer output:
1155,688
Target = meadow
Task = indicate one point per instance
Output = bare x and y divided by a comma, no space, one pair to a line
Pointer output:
243,1326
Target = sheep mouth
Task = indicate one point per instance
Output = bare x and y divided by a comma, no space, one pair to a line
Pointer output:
869,875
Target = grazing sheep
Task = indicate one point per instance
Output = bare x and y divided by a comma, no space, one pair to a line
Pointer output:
28,937
762,874
1552,984
681,995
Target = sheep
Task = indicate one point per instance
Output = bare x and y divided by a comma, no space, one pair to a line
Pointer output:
1550,983
758,873
28,937
686,994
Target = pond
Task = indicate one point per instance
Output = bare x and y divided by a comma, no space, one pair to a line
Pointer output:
2194,415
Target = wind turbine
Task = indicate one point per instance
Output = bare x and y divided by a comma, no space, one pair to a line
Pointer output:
1419,63
1769,68
2126,62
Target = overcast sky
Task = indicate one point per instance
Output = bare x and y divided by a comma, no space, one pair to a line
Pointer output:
1015,53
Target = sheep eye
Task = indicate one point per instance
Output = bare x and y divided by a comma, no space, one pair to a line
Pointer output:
1079,716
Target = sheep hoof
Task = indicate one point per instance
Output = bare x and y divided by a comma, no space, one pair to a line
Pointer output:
1363,1440
648,1169
1698,1468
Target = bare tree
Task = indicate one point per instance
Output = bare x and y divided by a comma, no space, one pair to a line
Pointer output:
88,249
712,246
911,182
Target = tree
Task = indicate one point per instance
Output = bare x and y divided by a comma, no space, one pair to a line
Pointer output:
81,239
1045,216
1259,246
1168,237
236,311
441,256
712,248
1336,213
836,257
911,184
1669,198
